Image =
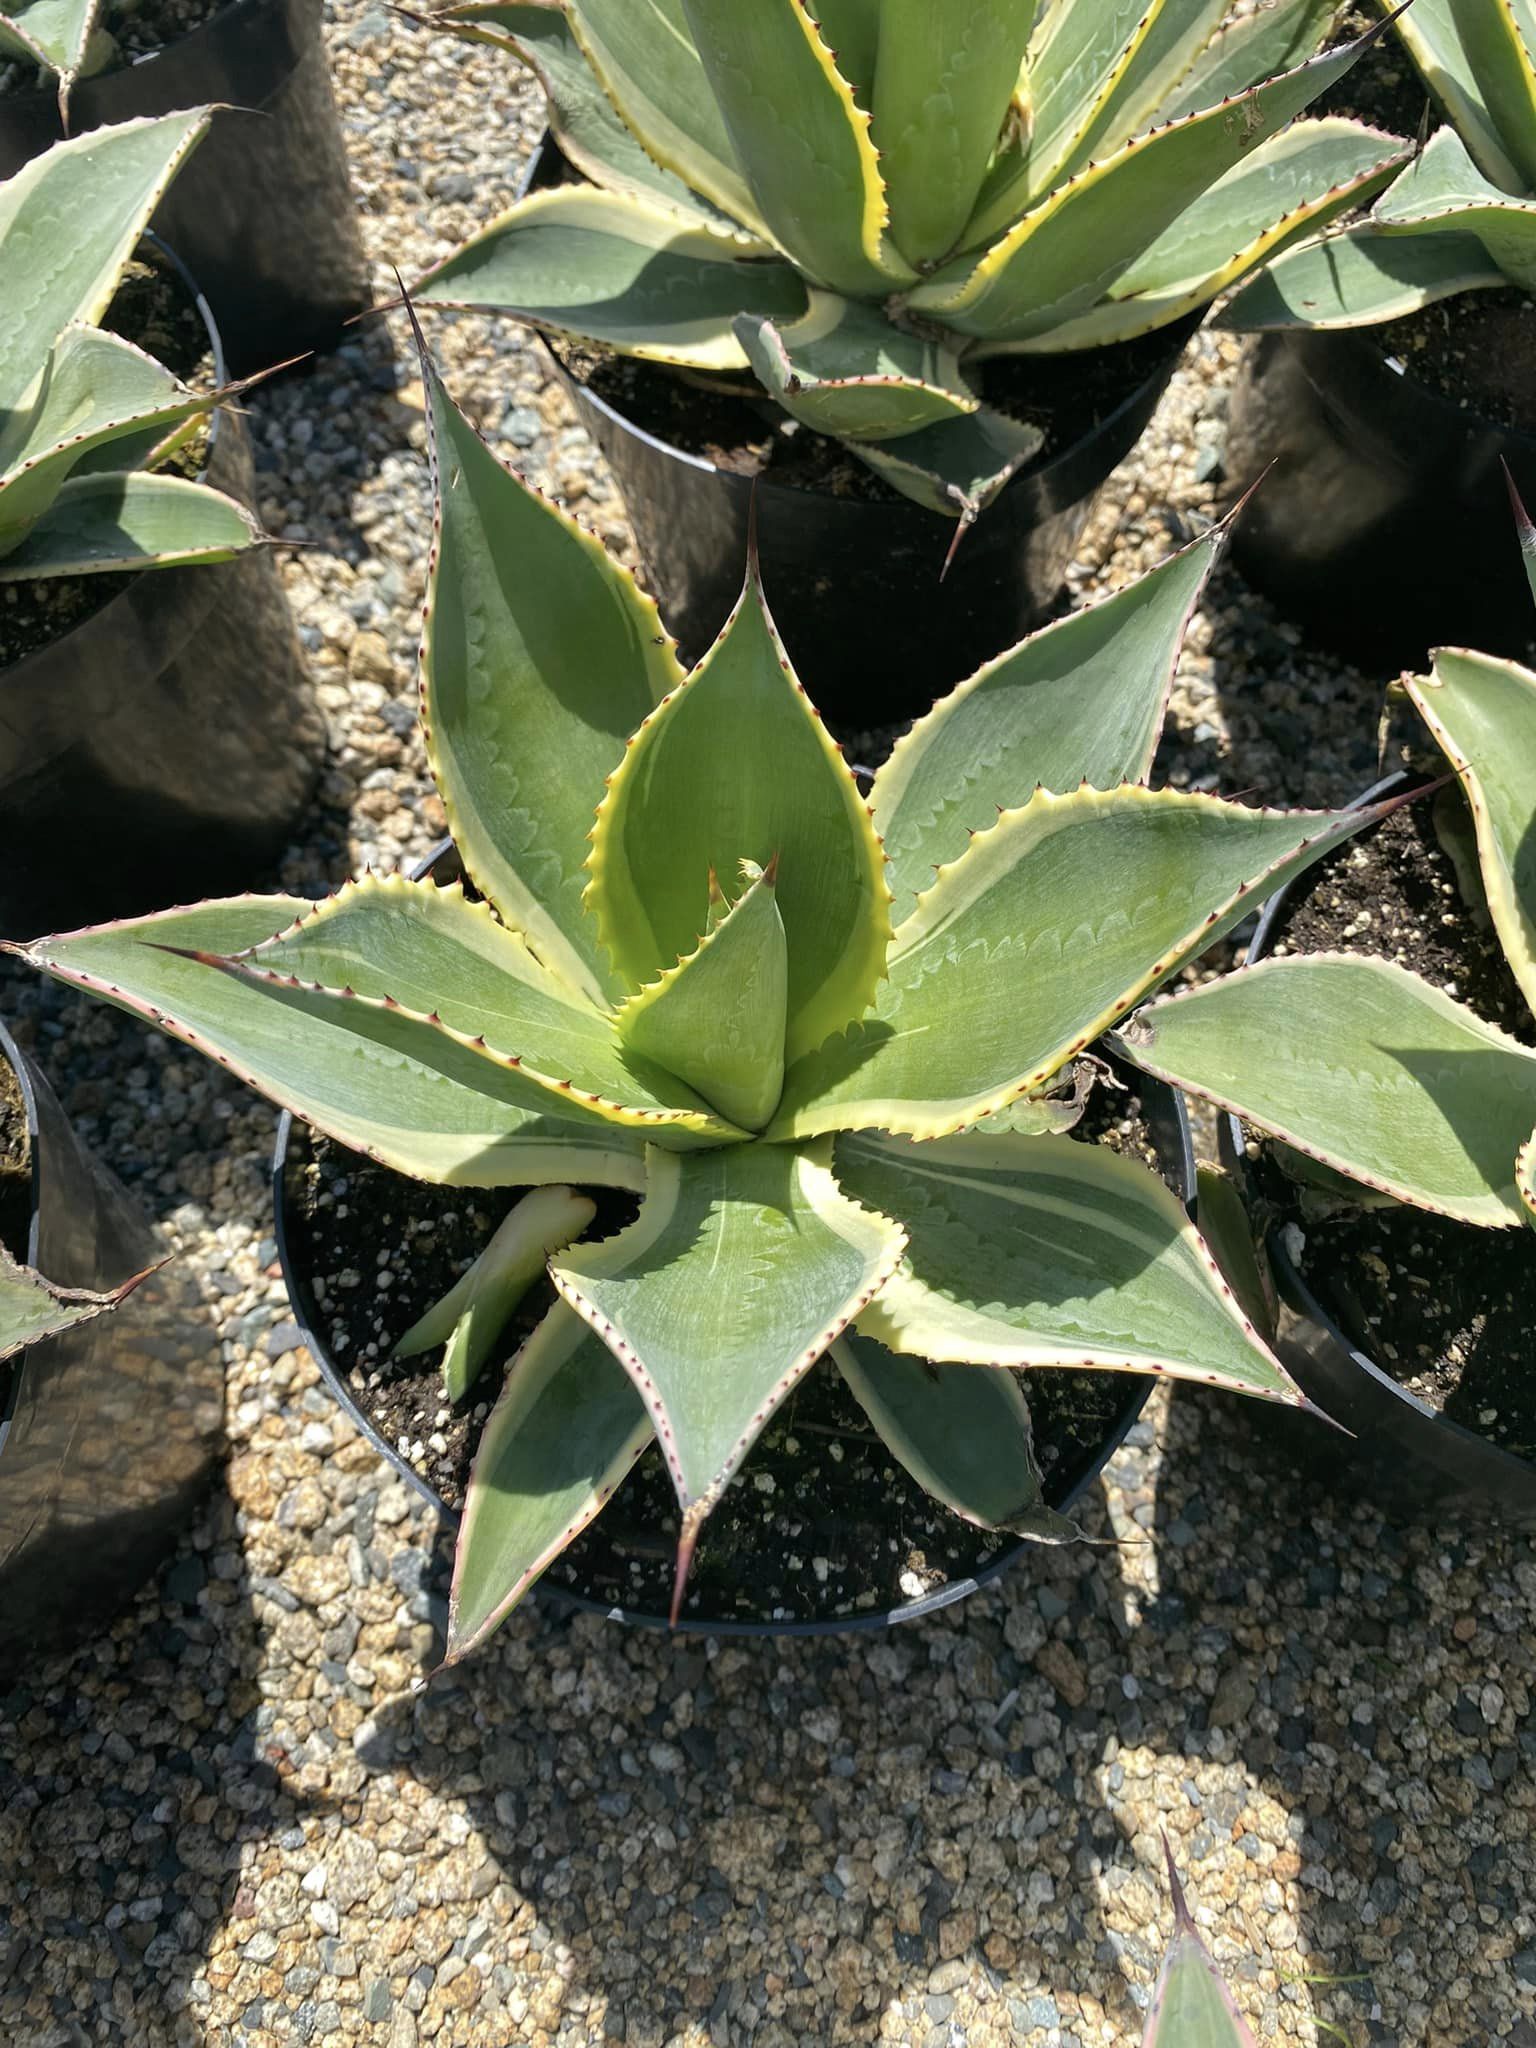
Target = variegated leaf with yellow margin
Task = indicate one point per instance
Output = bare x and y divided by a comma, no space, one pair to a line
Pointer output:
846,369
1476,58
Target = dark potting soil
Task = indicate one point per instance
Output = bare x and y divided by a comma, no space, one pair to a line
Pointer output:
820,1523
137,28
1447,1310
15,1187
1476,349
733,424
154,309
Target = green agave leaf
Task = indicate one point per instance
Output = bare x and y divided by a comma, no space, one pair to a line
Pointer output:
643,55
1525,532
582,118
1246,48
1360,277
436,956
69,220
1082,700
717,1018
371,1078
565,1431
1445,193
109,521
743,1266
957,467
1076,58
97,392
32,1308
946,76
1360,1064
1047,930
1477,62
476,1309
1049,1252
609,268
1226,1229
1525,1178
1065,255
851,31
963,1435
1482,713
1191,2006
55,33
802,140
736,765
540,655
1290,187
844,369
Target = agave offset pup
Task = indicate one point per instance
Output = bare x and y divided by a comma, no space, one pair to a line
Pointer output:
821,1040
86,418
862,201
1461,218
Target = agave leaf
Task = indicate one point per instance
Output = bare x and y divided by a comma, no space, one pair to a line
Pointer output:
32,1308
1249,46
136,521
1226,1229
736,765
1361,1064
844,369
432,953
1082,700
1477,63
957,467
946,75
1050,1252
1525,1178
851,31
1076,58
1191,2006
1046,931
1445,193
1291,186
717,1018
1482,713
98,392
582,118
69,220
1360,277
55,34
369,1077
802,140
540,655
473,1313
1525,532
643,55
742,1267
1035,277
963,1435
622,271
565,1431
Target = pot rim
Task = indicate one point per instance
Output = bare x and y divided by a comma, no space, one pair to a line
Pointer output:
1139,1388
1296,1289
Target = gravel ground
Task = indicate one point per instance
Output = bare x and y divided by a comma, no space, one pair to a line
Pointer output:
228,1821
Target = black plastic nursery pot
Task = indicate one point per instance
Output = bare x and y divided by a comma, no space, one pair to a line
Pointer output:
1400,1452
171,733
567,1580
262,211
111,1432
1383,526
856,579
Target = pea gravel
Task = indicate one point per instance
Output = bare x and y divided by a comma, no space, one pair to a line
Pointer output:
230,1821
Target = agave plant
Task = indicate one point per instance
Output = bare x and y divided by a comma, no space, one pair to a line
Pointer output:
86,418
823,1040
1191,2006
1461,218
65,39
862,201
32,1308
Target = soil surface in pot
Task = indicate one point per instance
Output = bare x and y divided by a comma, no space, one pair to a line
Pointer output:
15,1188
1477,349
821,1523
154,309
1445,1309
137,29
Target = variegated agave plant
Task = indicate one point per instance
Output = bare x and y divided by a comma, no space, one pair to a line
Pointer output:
1461,218
86,418
863,200
829,1065
64,39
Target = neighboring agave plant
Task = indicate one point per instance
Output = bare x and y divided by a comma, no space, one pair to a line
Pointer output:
65,39
1461,218
830,1067
862,200
86,417
1191,2005
32,1308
